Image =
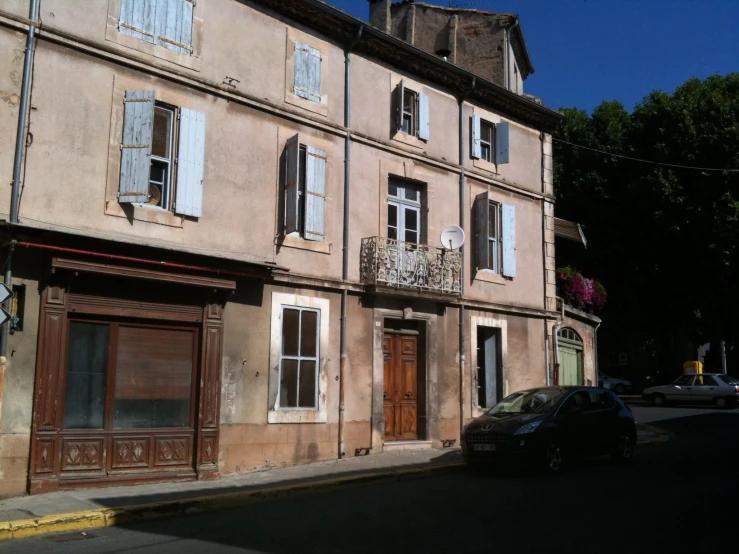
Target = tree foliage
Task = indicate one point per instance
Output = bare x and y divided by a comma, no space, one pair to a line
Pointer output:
664,240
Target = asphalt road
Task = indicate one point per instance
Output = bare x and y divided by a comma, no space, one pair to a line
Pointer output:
678,496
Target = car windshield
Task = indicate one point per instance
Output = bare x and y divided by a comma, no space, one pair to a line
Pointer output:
528,402
729,380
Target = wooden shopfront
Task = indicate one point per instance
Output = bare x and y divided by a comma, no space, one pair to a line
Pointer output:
127,377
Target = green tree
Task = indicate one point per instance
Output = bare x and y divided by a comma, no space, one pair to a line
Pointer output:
664,240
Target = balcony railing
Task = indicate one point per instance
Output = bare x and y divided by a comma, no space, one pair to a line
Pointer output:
399,264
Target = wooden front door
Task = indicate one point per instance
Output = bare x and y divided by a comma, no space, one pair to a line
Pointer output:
400,396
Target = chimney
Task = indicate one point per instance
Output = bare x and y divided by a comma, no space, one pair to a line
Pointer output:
380,14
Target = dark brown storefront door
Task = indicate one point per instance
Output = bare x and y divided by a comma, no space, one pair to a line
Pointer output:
400,398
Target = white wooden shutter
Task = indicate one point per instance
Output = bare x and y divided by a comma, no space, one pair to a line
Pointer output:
476,151
138,122
502,143
424,123
315,194
509,240
482,226
190,163
399,98
307,72
292,176
137,19
173,25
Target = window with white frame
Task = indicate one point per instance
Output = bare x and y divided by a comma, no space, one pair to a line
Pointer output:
404,212
299,356
495,236
162,155
305,190
490,142
166,23
412,112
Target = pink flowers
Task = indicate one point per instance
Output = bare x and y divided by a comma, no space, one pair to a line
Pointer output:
580,292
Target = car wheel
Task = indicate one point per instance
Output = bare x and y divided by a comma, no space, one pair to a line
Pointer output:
624,450
554,459
720,402
619,389
659,400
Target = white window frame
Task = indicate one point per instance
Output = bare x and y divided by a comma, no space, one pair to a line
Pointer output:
275,413
490,143
170,162
402,204
315,359
410,112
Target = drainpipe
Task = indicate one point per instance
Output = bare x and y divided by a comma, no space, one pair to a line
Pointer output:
461,253
20,141
345,251
546,355
508,53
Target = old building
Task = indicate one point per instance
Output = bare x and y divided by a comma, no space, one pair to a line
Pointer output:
224,234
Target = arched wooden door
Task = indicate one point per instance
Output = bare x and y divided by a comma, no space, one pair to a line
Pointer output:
570,357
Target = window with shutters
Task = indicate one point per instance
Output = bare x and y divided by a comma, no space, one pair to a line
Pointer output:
304,191
487,140
168,29
306,72
299,344
162,155
495,236
411,112
489,143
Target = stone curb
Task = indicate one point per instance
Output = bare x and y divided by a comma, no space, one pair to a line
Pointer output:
110,517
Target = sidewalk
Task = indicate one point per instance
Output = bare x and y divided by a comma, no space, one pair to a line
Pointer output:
76,510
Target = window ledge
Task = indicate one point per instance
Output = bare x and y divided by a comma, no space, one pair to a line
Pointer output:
320,108
490,277
485,165
297,416
409,140
160,217
294,241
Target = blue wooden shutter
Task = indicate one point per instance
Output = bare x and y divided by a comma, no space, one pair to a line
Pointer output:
476,151
482,226
138,121
502,143
315,194
399,98
292,176
190,163
137,19
424,123
307,72
491,370
509,240
174,25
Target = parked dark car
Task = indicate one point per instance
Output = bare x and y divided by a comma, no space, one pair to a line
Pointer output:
550,425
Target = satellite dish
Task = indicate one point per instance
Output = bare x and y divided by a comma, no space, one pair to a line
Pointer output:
452,237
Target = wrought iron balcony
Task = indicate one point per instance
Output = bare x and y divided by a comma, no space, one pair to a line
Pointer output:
399,264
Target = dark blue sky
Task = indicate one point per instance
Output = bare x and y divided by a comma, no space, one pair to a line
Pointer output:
587,51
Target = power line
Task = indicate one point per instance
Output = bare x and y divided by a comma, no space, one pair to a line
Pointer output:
644,161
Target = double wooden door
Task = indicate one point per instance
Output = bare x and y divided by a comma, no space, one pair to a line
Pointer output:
400,393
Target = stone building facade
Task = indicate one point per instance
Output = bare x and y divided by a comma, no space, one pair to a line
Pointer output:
225,232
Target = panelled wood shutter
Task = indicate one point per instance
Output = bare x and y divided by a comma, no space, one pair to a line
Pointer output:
509,240
482,226
138,122
174,25
399,98
292,175
424,121
315,194
167,23
307,72
190,163
502,143
491,370
476,150
138,19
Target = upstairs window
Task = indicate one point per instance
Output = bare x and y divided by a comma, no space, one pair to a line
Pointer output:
307,72
490,142
166,23
305,190
162,155
495,236
412,112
